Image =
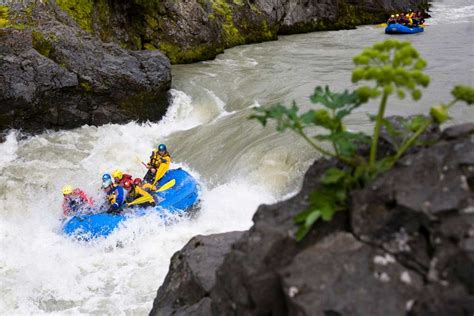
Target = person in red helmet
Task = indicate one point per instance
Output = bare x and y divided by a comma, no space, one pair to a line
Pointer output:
136,195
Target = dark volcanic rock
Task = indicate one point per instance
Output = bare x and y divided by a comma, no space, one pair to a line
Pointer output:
426,184
54,75
405,247
252,287
343,276
192,275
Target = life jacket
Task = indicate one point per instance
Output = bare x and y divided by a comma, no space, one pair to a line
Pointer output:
139,196
117,197
75,201
83,196
156,159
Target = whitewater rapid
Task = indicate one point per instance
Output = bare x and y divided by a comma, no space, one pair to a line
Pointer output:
238,164
42,271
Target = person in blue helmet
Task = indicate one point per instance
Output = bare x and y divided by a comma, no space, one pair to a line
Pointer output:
158,164
116,195
106,177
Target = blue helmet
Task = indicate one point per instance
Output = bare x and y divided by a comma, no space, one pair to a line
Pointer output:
106,178
161,147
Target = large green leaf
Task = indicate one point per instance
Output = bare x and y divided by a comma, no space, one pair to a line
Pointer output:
333,100
346,142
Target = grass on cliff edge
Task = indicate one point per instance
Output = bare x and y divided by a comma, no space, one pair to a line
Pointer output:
390,67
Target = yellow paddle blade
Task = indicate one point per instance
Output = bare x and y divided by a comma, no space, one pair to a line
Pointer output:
160,173
167,185
149,186
381,25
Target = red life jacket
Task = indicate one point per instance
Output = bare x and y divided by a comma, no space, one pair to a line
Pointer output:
79,197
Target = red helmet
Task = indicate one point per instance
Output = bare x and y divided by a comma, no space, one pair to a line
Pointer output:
127,184
137,181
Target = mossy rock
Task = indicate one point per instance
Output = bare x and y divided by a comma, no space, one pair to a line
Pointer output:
80,11
41,44
181,55
4,21
86,86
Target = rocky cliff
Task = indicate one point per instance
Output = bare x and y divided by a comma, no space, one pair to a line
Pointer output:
193,30
55,75
404,247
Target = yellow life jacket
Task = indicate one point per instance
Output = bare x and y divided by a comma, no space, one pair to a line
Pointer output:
156,158
112,198
140,196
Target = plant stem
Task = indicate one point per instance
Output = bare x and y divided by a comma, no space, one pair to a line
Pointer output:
324,151
378,125
333,142
450,104
315,146
410,141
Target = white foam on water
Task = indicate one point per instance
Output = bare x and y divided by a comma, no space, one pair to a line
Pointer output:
451,12
43,271
8,148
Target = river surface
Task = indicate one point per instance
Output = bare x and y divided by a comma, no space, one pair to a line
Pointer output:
239,164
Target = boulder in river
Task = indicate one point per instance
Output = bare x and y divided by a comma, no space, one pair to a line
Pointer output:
54,75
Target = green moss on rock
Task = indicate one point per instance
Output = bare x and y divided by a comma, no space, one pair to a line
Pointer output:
101,20
148,46
230,33
4,10
80,11
180,55
86,86
151,22
41,44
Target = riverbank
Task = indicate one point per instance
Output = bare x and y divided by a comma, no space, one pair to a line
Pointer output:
61,70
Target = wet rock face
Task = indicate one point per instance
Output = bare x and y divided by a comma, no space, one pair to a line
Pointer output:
347,277
54,75
186,288
391,253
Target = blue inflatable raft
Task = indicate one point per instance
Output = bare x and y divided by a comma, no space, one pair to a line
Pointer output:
182,198
402,29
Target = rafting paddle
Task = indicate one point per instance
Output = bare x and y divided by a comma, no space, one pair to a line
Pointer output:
167,185
140,161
